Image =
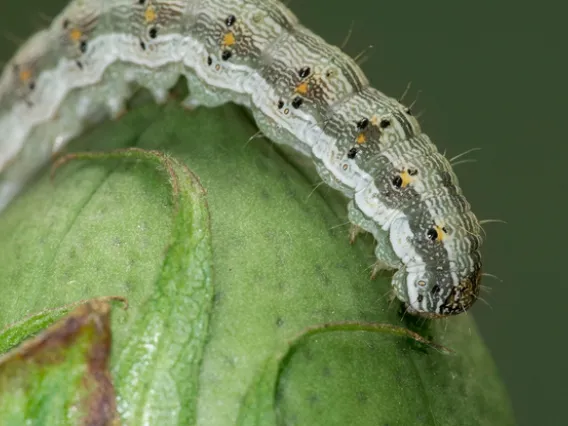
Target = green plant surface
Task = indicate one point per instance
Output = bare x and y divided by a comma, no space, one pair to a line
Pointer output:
75,351
281,263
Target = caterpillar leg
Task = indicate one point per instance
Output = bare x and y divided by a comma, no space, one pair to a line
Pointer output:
387,260
201,95
271,130
379,266
116,108
118,114
160,95
386,257
359,223
354,230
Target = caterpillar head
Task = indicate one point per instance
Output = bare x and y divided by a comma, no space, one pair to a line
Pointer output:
437,239
432,293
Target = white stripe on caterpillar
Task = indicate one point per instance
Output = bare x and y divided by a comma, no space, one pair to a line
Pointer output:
302,92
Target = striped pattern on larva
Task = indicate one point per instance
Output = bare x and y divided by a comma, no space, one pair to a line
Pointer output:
302,92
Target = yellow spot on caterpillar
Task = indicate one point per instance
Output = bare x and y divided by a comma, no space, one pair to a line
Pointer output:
374,120
302,88
229,39
150,14
75,34
361,138
440,232
406,178
25,75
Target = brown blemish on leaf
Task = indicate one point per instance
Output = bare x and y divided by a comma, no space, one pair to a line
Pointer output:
65,308
86,326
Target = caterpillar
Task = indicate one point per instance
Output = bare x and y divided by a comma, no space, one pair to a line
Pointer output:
301,91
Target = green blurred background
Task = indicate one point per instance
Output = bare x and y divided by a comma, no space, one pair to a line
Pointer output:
491,75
